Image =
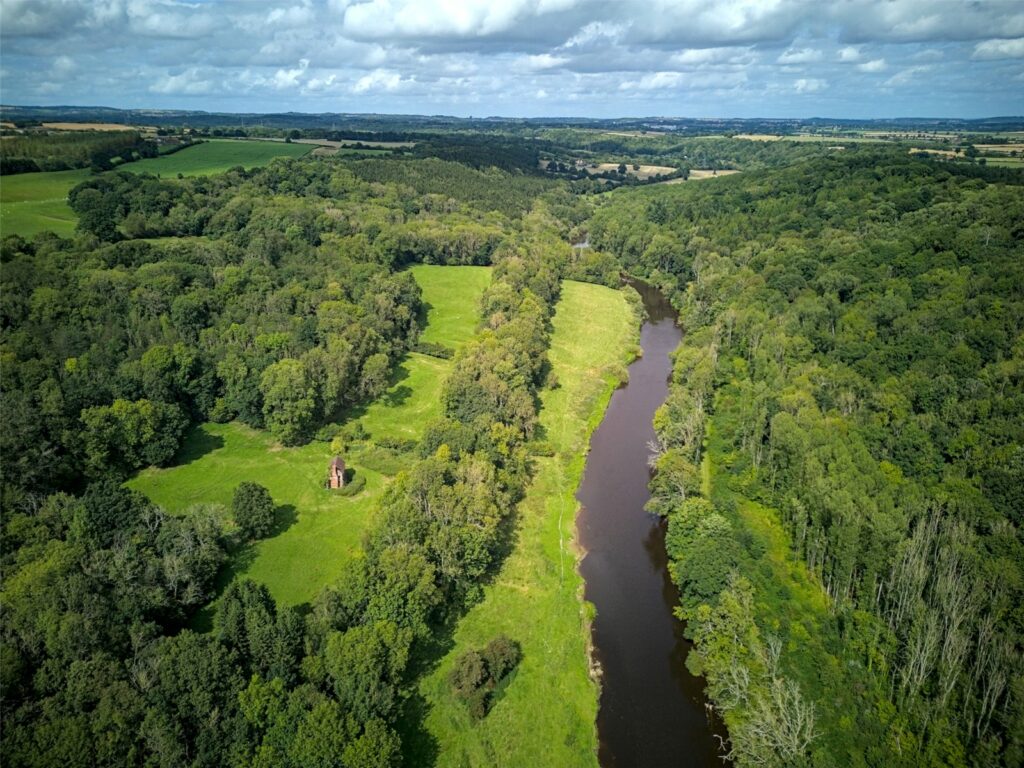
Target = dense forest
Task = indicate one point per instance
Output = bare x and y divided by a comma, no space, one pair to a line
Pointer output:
71,149
840,461
280,302
841,457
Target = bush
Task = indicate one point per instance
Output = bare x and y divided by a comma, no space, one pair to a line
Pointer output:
434,350
253,510
354,486
477,675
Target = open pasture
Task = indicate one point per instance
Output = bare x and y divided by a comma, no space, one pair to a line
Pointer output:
34,202
216,156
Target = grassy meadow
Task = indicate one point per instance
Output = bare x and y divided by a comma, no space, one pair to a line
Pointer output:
451,301
216,156
317,530
546,716
36,202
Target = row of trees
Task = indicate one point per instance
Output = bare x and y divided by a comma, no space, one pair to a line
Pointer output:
854,344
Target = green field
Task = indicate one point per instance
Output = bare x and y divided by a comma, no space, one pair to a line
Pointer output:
217,156
548,712
451,308
35,202
317,530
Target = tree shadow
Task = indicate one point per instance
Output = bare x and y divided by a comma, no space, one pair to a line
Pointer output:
240,557
396,396
285,516
400,394
197,443
419,746
421,316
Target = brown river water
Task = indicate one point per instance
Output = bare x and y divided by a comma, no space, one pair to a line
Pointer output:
652,710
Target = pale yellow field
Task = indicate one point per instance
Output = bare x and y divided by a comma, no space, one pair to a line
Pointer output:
645,172
697,174
940,152
635,134
758,136
89,127
353,142
1003,149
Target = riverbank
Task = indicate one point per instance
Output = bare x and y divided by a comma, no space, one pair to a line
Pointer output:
652,710
547,714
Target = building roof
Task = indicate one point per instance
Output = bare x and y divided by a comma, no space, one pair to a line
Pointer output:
337,463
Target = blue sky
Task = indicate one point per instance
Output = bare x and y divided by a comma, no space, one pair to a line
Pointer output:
601,58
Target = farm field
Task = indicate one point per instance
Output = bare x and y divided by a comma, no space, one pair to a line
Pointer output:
217,156
91,127
317,530
699,174
645,171
546,717
34,202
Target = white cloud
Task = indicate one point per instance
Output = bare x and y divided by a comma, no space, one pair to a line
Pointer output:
63,66
999,49
594,31
875,65
377,19
905,76
800,56
188,83
849,53
289,78
809,85
711,55
653,81
378,80
543,61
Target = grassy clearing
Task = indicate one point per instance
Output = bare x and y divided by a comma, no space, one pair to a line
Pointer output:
317,530
217,156
547,714
451,295
412,401
34,202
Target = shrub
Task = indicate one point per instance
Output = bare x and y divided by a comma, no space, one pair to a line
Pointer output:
477,675
354,486
253,510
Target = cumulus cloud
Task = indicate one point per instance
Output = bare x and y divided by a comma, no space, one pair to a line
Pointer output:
187,83
809,85
800,56
775,57
999,49
378,80
875,65
849,53
906,76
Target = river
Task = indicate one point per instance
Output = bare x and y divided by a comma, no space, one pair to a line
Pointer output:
652,709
